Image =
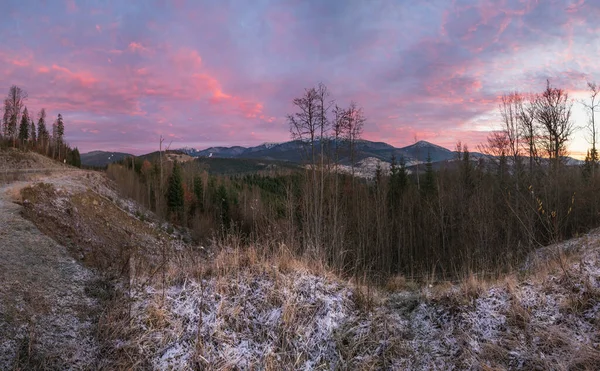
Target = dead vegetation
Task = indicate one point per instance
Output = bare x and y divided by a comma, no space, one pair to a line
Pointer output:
12,159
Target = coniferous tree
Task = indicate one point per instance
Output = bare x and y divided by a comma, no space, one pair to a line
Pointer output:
378,175
467,169
76,157
397,183
429,187
199,192
60,129
175,193
73,157
32,133
223,206
24,127
58,132
43,135
587,167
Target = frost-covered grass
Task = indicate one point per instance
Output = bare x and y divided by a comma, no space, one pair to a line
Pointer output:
267,313
244,322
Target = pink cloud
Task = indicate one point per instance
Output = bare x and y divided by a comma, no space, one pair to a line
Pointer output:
186,60
71,6
137,47
84,78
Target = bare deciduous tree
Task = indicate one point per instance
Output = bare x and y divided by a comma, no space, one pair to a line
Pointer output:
509,110
13,105
304,124
553,113
308,125
592,107
529,130
354,123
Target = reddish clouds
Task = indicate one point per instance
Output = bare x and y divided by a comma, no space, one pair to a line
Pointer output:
212,73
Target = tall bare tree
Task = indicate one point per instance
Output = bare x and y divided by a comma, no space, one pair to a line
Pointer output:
307,126
553,113
304,124
13,105
510,107
355,121
6,119
529,129
592,106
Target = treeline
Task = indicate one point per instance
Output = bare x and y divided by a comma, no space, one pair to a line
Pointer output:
19,130
472,215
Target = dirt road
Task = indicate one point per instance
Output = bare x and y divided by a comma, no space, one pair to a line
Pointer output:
46,317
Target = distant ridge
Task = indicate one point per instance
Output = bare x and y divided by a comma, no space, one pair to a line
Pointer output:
102,158
292,151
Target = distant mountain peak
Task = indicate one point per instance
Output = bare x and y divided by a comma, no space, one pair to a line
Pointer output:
270,144
426,144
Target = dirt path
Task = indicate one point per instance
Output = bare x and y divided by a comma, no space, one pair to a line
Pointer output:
46,318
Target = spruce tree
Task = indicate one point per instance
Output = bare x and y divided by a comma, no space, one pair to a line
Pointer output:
429,187
378,175
175,194
76,157
199,192
586,168
24,127
397,183
42,136
73,157
467,169
223,203
32,134
60,130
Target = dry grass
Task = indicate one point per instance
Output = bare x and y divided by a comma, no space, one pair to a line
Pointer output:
517,315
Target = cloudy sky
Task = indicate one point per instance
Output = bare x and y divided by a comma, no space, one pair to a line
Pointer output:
122,73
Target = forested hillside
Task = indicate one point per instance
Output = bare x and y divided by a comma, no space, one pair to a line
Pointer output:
24,130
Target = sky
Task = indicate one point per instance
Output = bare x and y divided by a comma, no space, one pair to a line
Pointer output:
207,73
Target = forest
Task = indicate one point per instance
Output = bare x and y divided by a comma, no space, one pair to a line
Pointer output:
474,215
19,130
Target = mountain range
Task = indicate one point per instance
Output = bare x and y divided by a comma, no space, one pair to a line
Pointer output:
296,151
